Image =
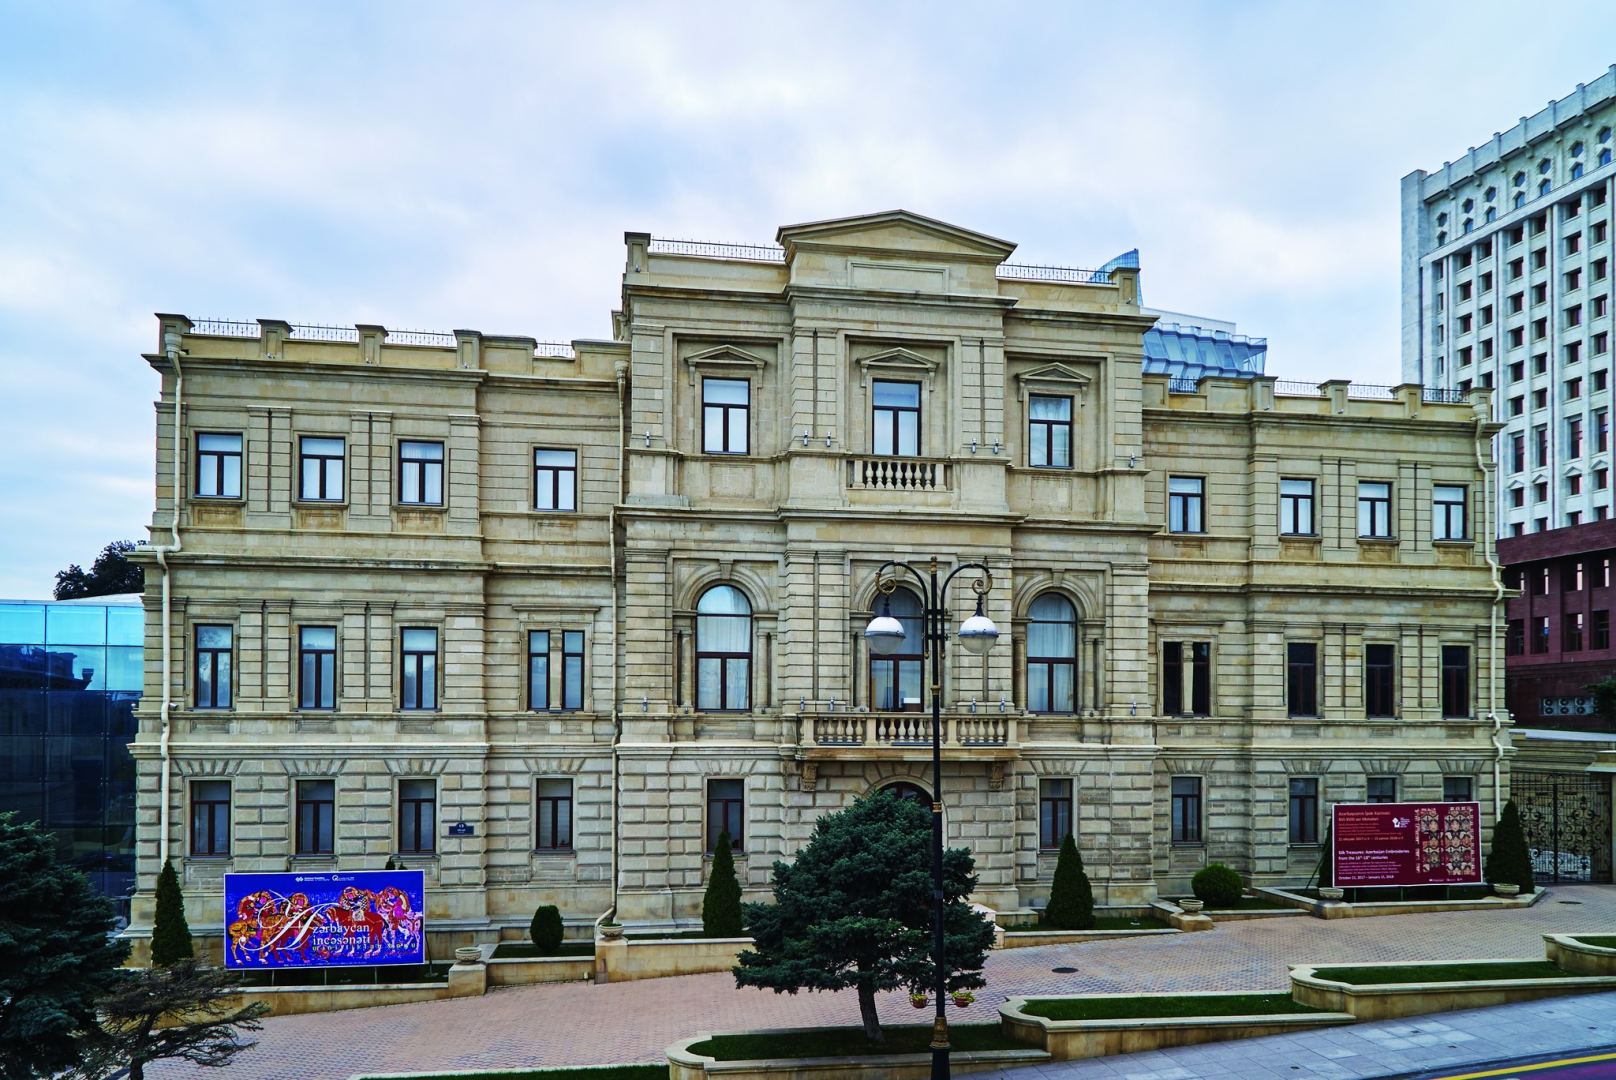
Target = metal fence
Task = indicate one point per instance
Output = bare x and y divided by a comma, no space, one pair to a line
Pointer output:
1069,274
319,332
555,349
705,250
420,337
1182,386
1296,389
1449,397
225,328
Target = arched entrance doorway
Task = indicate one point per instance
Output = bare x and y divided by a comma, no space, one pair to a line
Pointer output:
903,789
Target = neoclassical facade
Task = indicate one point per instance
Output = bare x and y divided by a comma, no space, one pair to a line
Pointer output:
544,620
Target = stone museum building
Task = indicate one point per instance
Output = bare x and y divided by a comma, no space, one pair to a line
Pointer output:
544,620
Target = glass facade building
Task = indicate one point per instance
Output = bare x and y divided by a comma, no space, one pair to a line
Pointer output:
70,675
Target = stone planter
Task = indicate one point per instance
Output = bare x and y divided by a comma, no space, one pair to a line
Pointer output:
683,1064
611,931
1392,1001
1068,1040
468,954
1331,895
1191,907
1507,890
1578,957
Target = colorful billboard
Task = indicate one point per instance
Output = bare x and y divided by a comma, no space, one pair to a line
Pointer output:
1435,843
300,920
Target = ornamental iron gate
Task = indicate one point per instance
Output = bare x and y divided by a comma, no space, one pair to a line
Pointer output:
1566,818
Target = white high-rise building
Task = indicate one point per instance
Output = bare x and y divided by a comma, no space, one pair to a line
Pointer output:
1508,283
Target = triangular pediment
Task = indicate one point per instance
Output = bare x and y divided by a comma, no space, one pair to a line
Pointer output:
895,232
897,361
1055,373
724,360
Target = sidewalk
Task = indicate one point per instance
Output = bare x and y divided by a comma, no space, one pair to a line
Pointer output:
1384,1048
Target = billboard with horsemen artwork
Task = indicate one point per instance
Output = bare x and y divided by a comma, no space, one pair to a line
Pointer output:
296,920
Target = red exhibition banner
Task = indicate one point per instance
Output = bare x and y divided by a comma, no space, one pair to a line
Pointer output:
1435,843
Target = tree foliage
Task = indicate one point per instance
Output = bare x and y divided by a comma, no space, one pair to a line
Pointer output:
1071,897
1604,693
186,1010
1509,862
171,934
57,953
111,573
855,911
1217,886
546,930
721,906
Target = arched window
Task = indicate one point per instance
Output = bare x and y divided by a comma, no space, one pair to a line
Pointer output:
895,680
723,649
1052,655
903,789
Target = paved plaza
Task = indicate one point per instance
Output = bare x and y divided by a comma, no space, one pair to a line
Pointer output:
580,1023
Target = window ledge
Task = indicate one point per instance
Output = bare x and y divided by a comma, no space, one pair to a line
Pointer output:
320,504
430,508
1189,845
555,853
1453,543
313,860
1382,541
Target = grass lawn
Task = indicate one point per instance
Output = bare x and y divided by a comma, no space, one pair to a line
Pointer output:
526,950
849,1042
1128,1008
347,976
1508,969
1102,922
589,1072
1598,941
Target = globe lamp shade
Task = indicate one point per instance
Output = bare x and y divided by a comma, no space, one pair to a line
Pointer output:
977,633
884,635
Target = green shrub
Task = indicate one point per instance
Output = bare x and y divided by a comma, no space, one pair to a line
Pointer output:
546,930
171,934
1071,898
1509,863
721,907
1217,886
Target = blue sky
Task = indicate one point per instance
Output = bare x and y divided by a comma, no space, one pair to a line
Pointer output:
475,165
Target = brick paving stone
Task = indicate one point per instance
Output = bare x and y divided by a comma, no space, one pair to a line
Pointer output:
578,1023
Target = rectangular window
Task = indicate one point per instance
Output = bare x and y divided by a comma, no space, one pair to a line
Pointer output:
1381,789
1517,452
1600,637
1572,633
1302,678
420,473
1574,437
1187,675
418,668
554,815
1380,680
726,813
1449,520
1186,504
210,817
1296,507
555,479
726,408
218,466
538,670
1540,634
317,667
1601,431
213,666
1304,810
896,419
1049,436
316,816
1455,681
320,468
1515,638
1186,809
417,816
1054,813
1374,509
572,669
1458,789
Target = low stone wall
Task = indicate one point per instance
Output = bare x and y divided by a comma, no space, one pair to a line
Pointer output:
1179,919
1579,958
683,1065
1340,909
1390,1001
622,960
1027,939
465,980
1066,1040
524,970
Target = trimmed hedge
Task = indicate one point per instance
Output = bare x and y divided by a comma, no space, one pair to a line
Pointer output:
1217,886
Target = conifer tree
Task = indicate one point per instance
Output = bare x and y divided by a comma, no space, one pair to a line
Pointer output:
1509,862
1071,897
171,934
721,907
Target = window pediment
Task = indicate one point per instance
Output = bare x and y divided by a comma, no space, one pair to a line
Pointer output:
724,360
897,361
1058,378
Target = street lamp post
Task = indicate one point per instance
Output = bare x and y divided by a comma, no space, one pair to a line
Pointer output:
977,634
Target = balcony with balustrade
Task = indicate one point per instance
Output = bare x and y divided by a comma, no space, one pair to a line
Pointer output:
906,736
